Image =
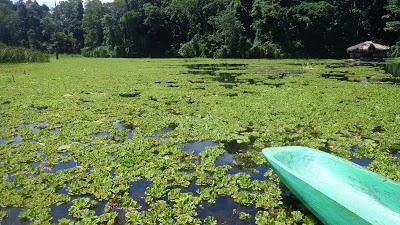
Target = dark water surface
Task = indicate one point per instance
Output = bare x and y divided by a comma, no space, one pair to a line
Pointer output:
12,217
125,126
101,133
225,73
226,211
137,191
393,68
197,147
361,161
17,139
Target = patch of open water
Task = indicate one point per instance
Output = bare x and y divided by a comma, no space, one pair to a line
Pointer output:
235,146
255,173
228,158
35,127
57,212
226,211
61,211
157,135
193,187
64,165
101,133
220,66
56,130
17,139
12,217
229,79
137,191
224,159
354,148
198,146
125,126
393,68
361,161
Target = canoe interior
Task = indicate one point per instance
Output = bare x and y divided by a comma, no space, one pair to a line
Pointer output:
365,196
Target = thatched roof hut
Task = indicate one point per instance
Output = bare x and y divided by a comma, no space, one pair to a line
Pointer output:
368,49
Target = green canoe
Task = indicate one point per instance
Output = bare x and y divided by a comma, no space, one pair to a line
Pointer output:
335,190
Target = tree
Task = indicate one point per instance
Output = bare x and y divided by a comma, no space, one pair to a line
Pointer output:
8,22
208,28
393,25
227,32
68,17
92,24
393,22
310,26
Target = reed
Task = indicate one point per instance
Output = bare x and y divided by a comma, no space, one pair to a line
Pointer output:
10,54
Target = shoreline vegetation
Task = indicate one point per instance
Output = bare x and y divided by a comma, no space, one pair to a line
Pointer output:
21,55
201,28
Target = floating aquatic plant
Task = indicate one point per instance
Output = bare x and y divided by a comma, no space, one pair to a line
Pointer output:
196,136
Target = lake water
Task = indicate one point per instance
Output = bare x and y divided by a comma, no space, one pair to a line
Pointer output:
393,68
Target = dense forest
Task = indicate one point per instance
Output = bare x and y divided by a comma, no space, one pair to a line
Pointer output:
208,28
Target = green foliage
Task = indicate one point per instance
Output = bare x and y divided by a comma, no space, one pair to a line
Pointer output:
395,50
243,215
3,215
194,48
67,28
393,23
280,217
19,55
209,220
265,50
92,24
99,52
188,50
36,216
207,28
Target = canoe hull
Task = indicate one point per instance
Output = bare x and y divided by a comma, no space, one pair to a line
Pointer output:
326,209
335,190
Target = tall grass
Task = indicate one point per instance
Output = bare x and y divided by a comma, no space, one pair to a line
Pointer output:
18,55
99,52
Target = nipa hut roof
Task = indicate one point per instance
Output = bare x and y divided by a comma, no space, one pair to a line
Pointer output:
367,46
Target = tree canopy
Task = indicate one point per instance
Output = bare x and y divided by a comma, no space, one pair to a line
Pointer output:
208,28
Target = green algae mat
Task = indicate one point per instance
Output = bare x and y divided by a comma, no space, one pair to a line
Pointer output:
336,190
178,141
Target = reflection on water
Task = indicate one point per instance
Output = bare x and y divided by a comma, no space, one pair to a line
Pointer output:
158,135
125,126
225,73
224,159
56,130
102,133
193,187
197,147
393,68
17,139
255,173
12,217
61,211
362,161
226,211
57,212
137,191
64,165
